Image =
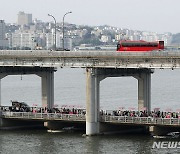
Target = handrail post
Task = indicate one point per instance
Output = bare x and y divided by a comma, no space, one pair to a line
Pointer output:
155,120
170,122
54,115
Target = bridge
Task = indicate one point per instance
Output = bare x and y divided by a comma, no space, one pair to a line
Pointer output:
98,64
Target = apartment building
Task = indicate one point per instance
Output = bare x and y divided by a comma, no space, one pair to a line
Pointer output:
24,19
3,40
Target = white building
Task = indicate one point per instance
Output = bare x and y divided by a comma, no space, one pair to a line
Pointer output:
67,42
49,41
24,40
105,38
118,37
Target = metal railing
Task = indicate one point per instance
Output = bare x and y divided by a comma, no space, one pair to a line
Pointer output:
43,116
82,117
141,120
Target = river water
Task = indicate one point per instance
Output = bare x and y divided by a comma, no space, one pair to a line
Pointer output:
70,89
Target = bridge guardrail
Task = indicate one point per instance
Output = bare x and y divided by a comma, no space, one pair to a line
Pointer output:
103,118
141,120
45,116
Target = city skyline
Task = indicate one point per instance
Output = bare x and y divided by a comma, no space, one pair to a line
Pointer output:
156,16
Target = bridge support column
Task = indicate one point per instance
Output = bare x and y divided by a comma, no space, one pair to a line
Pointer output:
2,75
144,91
92,101
47,85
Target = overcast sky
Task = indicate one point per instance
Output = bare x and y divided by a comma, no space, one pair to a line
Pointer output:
147,15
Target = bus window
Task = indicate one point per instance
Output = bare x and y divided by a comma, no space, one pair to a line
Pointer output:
161,44
118,46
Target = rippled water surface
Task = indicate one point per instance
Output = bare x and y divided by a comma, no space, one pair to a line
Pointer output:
41,142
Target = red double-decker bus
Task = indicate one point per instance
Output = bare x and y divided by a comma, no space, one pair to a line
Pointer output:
139,46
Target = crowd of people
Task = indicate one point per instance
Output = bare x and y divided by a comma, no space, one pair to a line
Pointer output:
64,110
44,110
153,114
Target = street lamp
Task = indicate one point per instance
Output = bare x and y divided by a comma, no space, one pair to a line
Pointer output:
55,30
63,26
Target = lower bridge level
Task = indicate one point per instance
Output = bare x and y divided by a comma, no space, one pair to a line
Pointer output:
107,123
45,117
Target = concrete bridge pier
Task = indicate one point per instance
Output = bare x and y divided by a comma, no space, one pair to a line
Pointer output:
144,90
47,84
93,78
2,75
92,101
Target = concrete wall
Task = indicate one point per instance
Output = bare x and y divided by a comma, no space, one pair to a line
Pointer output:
59,125
17,124
163,130
105,128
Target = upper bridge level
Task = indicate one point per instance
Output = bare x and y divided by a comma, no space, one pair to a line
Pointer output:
95,59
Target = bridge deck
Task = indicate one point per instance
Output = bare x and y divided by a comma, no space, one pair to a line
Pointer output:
98,59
